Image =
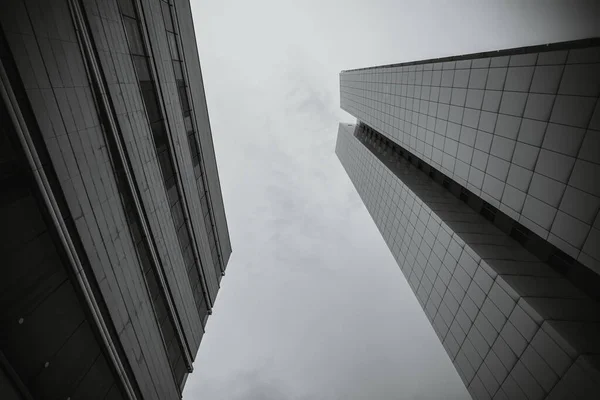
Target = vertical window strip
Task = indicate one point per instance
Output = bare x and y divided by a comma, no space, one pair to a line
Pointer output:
149,93
165,323
175,47
134,216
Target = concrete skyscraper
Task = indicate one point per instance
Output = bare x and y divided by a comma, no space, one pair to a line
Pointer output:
482,173
113,232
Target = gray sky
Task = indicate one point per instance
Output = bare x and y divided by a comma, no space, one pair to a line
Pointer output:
313,305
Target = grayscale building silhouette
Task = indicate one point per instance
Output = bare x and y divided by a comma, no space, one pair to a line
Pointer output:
482,173
113,232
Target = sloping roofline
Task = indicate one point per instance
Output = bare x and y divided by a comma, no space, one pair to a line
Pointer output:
573,44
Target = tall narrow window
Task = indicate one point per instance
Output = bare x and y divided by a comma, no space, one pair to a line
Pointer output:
186,110
148,89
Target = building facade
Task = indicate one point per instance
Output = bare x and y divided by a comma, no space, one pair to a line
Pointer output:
482,173
114,236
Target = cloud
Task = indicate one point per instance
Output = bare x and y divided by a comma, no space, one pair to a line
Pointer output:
295,307
313,306
250,385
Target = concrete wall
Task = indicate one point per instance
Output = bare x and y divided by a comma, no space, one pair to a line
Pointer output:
45,47
511,325
520,129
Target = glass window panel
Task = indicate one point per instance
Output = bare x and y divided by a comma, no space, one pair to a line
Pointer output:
184,237
185,105
141,67
188,263
168,332
193,146
170,182
166,10
202,303
127,8
195,157
152,285
161,310
194,277
165,165
173,352
173,45
204,205
177,214
195,160
195,285
136,45
144,258
202,183
159,135
135,232
177,68
198,297
188,256
172,195
150,100
162,160
125,201
188,123
180,372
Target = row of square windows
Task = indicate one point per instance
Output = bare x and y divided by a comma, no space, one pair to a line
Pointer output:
582,277
364,172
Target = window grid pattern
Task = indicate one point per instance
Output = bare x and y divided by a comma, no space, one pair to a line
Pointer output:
492,304
148,89
140,242
582,277
520,131
174,41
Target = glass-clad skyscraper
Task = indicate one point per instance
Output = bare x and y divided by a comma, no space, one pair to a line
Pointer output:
482,173
113,231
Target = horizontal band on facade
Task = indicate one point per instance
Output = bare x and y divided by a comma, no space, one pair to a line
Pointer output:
574,44
579,275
